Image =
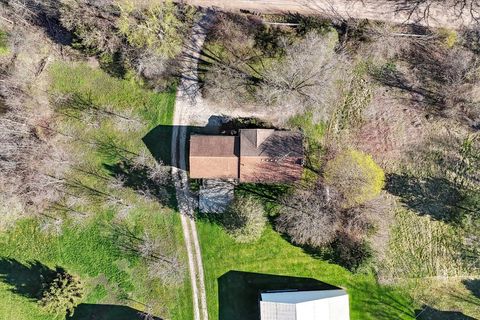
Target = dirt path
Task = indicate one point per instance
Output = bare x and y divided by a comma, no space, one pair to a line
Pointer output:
187,99
432,13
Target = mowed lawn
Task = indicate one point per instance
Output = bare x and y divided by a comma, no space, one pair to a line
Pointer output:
274,255
87,246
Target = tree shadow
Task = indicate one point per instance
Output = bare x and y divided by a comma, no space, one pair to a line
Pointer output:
267,192
113,64
239,292
46,15
139,178
418,95
380,302
87,311
473,285
430,313
420,10
125,238
436,197
27,279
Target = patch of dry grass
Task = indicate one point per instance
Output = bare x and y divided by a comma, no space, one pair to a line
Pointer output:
422,247
449,293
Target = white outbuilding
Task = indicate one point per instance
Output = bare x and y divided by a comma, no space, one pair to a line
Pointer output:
305,305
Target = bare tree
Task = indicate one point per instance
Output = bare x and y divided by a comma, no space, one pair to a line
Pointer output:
159,252
94,23
31,161
301,75
227,84
309,218
306,76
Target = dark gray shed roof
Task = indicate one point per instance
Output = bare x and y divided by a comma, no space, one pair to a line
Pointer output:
270,143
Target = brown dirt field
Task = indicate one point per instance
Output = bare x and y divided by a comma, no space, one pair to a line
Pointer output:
440,15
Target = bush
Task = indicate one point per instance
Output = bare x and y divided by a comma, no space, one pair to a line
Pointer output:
350,252
62,295
356,176
308,218
448,37
245,219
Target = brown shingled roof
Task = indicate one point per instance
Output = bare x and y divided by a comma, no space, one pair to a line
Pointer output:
214,146
264,169
275,144
256,155
214,157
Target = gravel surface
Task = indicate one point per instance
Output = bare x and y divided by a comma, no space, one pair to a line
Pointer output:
439,14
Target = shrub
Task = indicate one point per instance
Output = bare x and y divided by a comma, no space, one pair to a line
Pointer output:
245,219
308,218
62,295
448,37
350,252
356,176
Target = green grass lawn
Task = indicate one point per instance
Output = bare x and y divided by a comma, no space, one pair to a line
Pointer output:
4,50
274,255
108,117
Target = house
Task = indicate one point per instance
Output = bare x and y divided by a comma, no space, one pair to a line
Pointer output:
254,155
305,305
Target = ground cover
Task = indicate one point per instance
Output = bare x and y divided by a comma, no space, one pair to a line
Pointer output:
272,254
103,120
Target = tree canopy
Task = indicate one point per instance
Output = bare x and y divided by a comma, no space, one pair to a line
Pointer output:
356,176
245,219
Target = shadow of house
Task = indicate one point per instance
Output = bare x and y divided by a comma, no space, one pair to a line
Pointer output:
239,292
159,140
86,311
26,279
429,313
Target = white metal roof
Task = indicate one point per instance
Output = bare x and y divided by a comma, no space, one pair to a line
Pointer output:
305,305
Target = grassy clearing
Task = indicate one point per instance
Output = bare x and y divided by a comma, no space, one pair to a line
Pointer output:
101,89
425,256
274,255
453,293
108,118
4,50
422,247
356,98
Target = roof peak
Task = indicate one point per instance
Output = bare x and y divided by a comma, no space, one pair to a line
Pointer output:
257,136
